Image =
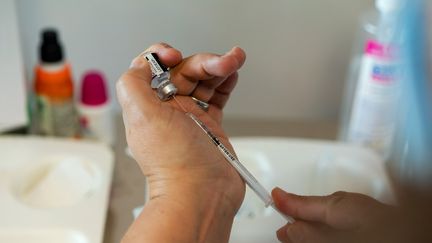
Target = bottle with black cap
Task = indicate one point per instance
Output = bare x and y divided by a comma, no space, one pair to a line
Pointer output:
55,113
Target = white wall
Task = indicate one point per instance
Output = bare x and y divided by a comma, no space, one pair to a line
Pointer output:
298,50
12,90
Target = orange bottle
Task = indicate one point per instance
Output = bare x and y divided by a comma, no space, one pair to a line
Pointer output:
55,113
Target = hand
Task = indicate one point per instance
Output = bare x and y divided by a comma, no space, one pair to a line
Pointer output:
185,171
340,217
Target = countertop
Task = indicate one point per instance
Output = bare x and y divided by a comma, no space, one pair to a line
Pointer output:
129,184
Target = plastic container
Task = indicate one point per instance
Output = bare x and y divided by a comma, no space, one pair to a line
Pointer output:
94,109
368,116
410,163
54,113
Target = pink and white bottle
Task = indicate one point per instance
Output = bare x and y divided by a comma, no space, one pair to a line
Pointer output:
369,112
96,118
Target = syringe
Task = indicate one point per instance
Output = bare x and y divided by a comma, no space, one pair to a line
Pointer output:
166,91
250,180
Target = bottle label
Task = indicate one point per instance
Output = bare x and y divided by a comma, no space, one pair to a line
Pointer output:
56,118
373,115
97,123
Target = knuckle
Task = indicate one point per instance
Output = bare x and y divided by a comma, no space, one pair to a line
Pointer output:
336,199
333,203
164,44
157,46
154,47
138,62
122,81
204,56
119,85
123,86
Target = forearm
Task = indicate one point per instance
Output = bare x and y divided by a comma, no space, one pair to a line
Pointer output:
183,214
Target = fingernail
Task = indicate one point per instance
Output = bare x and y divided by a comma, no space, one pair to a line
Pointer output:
229,52
280,230
282,233
278,190
276,195
281,192
212,63
280,197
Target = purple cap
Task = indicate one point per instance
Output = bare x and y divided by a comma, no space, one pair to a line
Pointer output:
93,89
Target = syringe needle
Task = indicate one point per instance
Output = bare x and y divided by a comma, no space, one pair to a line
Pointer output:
250,180
179,104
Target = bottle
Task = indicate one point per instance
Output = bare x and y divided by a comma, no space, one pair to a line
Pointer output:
94,109
369,110
54,113
410,162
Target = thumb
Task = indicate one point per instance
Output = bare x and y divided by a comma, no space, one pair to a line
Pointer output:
340,210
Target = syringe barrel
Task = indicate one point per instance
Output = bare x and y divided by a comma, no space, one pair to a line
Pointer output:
250,180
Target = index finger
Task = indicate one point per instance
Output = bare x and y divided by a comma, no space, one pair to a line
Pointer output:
206,69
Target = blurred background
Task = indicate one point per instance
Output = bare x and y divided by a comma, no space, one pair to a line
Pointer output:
298,52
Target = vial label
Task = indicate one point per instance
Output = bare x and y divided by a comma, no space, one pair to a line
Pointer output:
156,68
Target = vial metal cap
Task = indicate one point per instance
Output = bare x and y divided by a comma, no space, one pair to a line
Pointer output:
166,91
159,80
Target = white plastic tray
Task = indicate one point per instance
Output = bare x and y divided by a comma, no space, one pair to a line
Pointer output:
76,214
305,167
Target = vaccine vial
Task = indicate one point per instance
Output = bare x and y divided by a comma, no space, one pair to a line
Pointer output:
160,78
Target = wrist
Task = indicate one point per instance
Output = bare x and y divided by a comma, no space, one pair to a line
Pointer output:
201,191
204,211
198,184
